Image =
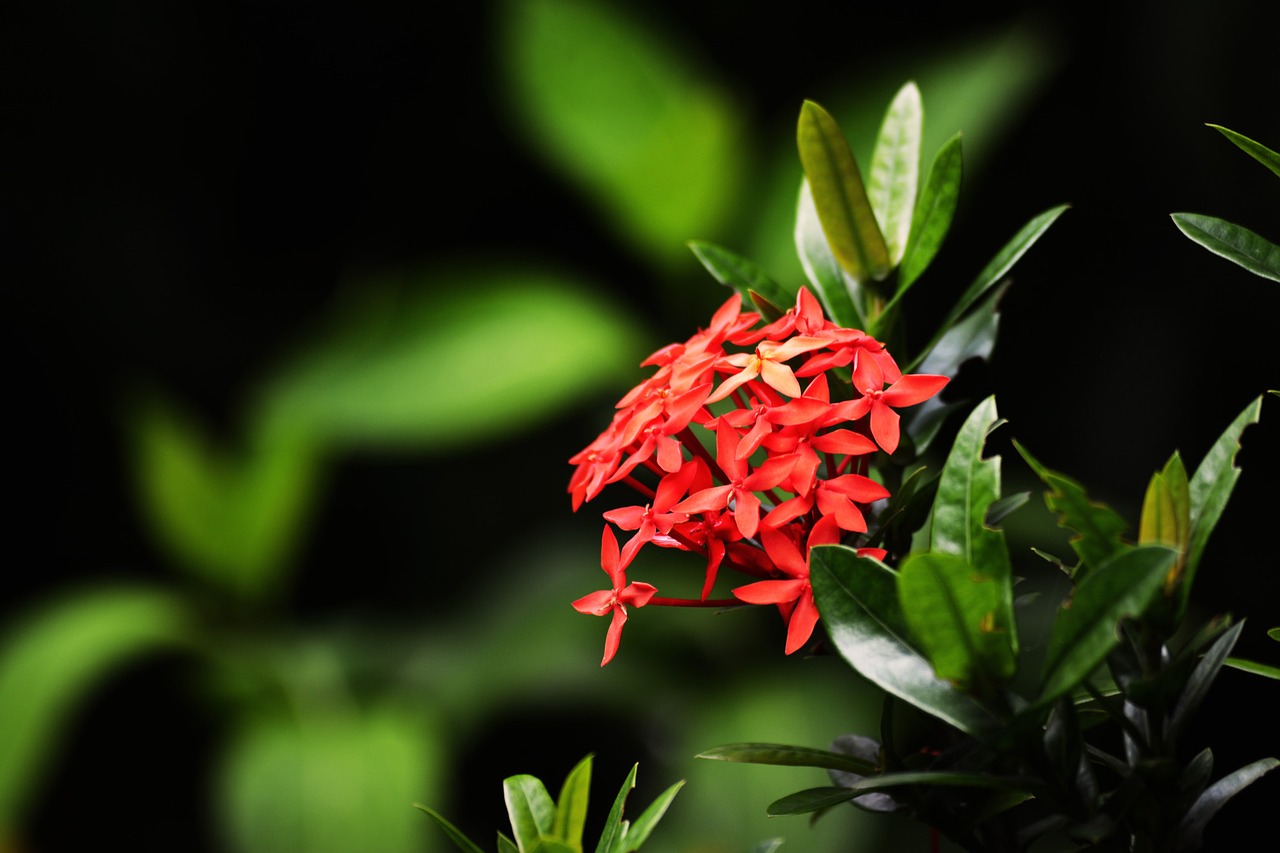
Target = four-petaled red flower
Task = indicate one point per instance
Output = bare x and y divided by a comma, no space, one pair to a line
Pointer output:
616,600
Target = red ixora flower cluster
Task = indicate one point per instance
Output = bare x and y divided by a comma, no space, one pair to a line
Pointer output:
789,467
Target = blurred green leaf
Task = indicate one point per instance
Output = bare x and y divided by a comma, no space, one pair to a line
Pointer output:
1256,150
638,833
623,111
452,358
506,845
233,518
1085,630
1265,670
769,845
839,196
741,274
1200,679
834,287
934,210
455,835
1274,634
52,657
611,837
858,600
530,809
1233,242
803,802
787,756
1191,830
1097,527
895,170
329,777
571,807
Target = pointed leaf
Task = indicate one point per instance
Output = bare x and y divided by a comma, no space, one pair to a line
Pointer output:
1191,830
611,837
933,213
1257,151
972,337
1085,629
1265,670
839,196
639,831
769,845
1097,527
455,835
858,601
839,294
812,799
895,170
788,756
506,845
1201,677
571,808
1233,242
530,809
741,274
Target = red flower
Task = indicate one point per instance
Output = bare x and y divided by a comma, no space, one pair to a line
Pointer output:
614,601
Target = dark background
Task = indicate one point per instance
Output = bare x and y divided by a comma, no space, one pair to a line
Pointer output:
183,185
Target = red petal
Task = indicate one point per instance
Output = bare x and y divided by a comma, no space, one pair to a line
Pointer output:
614,636
595,604
803,619
771,592
914,388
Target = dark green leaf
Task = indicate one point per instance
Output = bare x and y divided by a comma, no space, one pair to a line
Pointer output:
1210,487
934,211
895,170
1191,830
1256,150
611,837
571,807
1005,507
1195,776
50,660
788,756
838,293
530,809
455,835
638,833
839,196
741,274
972,337
1097,527
1201,677
1233,242
1254,667
858,601
812,799
1085,630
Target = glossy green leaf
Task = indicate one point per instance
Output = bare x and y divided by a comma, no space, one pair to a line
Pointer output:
52,657
858,601
530,809
571,807
839,196
813,799
934,210
621,109
1203,810
455,835
741,274
506,845
1256,150
788,756
1200,679
1265,670
1085,629
611,837
972,337
836,290
951,609
233,518
1210,488
638,833
1098,529
895,170
1233,242
443,359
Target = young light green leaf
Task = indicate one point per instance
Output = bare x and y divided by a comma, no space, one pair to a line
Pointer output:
1210,488
466,845
571,807
788,756
506,845
858,601
1256,150
1208,804
839,196
638,833
931,219
611,837
741,274
840,295
1233,242
50,660
1098,528
1084,630
895,170
1274,633
1265,670
951,610
530,809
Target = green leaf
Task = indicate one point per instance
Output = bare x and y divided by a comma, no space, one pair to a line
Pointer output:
571,807
1256,150
741,274
839,196
1274,634
1097,528
639,831
1085,629
1191,829
951,610
835,289
506,845
444,359
1209,490
1200,679
895,170
813,799
611,837
858,601
769,845
455,835
530,809
51,657
933,213
1254,667
621,109
788,756
1233,242
231,518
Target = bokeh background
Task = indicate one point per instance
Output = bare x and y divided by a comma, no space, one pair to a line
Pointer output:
305,305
